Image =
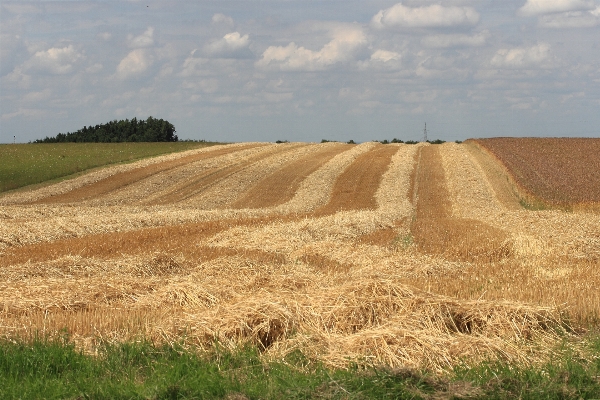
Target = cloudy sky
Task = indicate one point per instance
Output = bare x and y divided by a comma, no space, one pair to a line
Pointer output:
303,70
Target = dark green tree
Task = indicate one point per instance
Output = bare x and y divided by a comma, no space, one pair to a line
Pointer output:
134,130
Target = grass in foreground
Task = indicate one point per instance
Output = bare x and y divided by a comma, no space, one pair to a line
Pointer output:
53,369
28,164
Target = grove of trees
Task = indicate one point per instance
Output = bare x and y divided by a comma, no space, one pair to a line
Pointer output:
134,130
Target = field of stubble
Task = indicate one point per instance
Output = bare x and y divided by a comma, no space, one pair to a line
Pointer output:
404,255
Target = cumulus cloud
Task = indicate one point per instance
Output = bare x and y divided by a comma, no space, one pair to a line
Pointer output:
382,59
193,66
521,57
146,39
134,64
385,56
55,60
342,47
230,46
222,19
541,7
433,16
455,40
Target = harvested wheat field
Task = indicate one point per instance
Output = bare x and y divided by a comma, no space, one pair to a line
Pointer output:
405,255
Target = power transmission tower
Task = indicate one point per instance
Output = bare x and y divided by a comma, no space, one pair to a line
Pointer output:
425,133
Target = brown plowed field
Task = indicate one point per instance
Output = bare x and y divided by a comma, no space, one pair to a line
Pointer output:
407,255
557,171
123,179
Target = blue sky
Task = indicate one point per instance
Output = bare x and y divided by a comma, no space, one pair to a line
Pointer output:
303,70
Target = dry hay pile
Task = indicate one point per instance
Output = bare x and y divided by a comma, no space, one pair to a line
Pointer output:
347,286
364,316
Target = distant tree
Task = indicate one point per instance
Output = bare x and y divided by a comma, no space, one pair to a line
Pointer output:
134,130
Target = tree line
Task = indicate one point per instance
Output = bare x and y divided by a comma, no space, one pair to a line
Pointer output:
134,130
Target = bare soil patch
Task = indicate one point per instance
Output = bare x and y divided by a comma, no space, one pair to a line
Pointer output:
557,171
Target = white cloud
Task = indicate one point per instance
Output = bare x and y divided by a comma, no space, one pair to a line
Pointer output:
18,78
385,56
432,16
345,42
455,40
382,59
146,39
222,19
54,60
522,57
541,7
134,64
193,66
571,19
231,45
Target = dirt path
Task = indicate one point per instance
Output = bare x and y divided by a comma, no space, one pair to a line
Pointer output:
123,179
282,185
355,188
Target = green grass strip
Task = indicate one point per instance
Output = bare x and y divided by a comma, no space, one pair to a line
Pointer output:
53,370
33,163
56,370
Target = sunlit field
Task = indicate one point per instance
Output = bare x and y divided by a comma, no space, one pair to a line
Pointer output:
27,164
409,256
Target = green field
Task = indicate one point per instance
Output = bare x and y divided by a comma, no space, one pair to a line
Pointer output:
56,370
28,164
